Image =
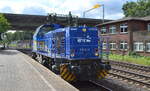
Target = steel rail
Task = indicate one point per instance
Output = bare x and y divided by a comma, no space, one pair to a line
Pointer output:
129,78
130,65
132,73
102,86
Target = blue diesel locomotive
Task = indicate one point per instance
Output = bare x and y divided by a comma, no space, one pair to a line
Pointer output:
72,52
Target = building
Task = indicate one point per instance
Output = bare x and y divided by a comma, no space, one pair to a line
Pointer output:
128,34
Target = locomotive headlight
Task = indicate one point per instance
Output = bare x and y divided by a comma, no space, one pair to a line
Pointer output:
96,52
72,53
84,29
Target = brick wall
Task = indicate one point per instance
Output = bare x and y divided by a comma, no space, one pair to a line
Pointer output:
116,37
137,31
135,25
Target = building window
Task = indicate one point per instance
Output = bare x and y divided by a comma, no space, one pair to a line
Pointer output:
123,45
103,30
138,46
112,45
148,47
104,45
148,26
112,29
124,28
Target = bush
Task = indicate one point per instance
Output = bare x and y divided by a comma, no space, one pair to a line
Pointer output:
131,53
134,54
132,59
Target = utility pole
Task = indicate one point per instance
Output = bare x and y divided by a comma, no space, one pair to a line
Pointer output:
103,12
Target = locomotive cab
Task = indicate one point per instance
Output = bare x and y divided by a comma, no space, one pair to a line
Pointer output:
82,43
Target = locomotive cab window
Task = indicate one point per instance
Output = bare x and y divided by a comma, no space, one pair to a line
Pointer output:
44,30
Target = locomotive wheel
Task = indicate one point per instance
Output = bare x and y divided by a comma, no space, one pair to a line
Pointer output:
46,63
34,55
55,69
50,63
40,61
43,61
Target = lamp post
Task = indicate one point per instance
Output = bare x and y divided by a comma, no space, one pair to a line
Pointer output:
94,7
86,12
103,12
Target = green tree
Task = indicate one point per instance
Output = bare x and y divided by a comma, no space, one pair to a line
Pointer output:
18,36
25,35
4,25
140,8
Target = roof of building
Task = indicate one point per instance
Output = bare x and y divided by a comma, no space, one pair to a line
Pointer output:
147,18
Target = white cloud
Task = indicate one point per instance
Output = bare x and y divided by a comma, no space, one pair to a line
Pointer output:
34,10
115,16
7,9
112,7
19,6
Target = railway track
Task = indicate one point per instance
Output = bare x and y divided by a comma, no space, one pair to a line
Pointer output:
104,88
144,70
130,65
131,76
90,86
133,73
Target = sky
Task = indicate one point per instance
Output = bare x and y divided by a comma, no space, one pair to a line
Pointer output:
113,8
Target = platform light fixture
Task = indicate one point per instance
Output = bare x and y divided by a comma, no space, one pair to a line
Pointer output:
94,7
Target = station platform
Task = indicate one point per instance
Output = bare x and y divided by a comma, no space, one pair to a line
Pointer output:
18,72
